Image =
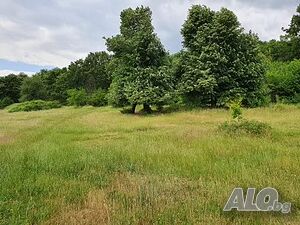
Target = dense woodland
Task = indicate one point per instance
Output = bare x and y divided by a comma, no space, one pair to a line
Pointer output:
219,62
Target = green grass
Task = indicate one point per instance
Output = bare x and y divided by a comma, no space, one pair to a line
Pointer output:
98,166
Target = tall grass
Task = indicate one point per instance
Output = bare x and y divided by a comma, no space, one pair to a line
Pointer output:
98,166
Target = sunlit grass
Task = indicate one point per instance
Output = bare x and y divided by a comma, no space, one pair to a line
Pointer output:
98,166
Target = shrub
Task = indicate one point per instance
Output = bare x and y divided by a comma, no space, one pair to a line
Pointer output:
6,101
77,97
284,81
98,98
33,106
245,127
235,107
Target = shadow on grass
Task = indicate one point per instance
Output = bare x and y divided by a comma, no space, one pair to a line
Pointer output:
164,110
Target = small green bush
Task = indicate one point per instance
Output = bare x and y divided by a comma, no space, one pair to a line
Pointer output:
6,101
98,98
235,107
245,127
33,106
77,97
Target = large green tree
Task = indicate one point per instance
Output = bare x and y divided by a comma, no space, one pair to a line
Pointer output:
90,73
139,58
220,61
44,85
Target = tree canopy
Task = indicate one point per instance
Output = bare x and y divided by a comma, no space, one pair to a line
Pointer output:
139,59
220,60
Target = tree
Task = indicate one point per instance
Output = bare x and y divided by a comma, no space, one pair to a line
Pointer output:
288,47
294,28
284,81
33,88
278,50
10,86
139,59
90,73
293,35
220,61
50,83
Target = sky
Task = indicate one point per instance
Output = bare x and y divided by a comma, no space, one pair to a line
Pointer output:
37,34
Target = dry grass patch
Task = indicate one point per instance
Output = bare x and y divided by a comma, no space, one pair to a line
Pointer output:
4,139
95,211
140,199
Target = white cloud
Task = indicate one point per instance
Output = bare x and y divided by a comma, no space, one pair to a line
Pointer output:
55,32
7,72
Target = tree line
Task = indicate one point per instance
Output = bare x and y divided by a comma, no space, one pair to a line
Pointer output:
219,62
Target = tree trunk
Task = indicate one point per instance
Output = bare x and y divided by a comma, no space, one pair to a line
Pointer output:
133,108
147,108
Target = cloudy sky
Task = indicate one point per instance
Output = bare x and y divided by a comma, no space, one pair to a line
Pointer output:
36,34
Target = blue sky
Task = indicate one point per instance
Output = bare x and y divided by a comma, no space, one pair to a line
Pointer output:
21,66
52,33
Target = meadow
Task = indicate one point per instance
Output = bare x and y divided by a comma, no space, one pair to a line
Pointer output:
97,166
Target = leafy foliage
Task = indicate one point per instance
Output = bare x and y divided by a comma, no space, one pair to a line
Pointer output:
6,101
284,81
282,50
138,59
33,88
33,106
116,96
294,28
89,73
98,98
239,125
235,107
221,61
251,127
288,48
10,86
77,97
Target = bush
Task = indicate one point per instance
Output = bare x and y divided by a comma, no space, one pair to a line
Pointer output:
98,98
6,101
235,107
77,97
33,106
245,127
284,81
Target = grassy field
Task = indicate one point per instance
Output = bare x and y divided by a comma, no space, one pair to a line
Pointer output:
98,166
